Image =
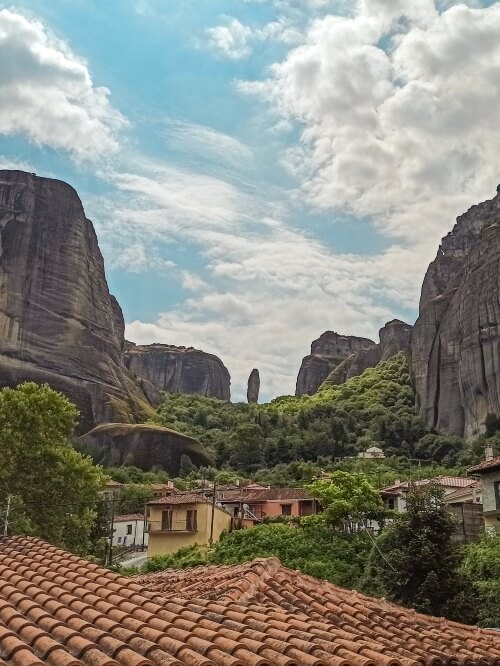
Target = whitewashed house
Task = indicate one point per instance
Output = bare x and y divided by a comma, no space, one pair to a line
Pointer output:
128,530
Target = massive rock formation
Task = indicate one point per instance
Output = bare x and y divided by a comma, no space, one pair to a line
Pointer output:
253,386
327,352
179,369
58,322
456,339
144,446
394,337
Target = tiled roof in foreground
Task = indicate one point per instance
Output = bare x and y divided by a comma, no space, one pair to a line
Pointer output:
60,610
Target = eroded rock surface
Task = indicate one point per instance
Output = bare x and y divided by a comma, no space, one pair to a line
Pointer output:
58,322
253,387
179,369
394,337
456,340
141,445
327,352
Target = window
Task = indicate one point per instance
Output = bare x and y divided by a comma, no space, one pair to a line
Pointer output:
119,539
191,520
166,520
286,509
391,503
129,529
496,486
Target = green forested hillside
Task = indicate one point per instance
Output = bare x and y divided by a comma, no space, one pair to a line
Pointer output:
374,409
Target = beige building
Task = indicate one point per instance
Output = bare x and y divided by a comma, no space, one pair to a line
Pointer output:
489,473
177,521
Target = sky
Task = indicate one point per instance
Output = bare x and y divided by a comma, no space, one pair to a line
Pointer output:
258,171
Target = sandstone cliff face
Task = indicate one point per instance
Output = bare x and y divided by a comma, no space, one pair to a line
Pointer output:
394,337
327,352
141,445
253,387
456,340
58,322
179,369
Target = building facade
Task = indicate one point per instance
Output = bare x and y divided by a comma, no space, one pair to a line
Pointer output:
130,530
177,521
489,473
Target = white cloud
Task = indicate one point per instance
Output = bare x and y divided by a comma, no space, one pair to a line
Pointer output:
230,39
234,40
406,133
205,142
267,289
48,94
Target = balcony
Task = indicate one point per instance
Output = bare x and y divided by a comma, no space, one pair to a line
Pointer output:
174,527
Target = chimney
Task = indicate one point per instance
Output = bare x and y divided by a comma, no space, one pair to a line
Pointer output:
488,453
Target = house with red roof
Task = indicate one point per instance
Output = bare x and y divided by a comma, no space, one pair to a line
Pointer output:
184,519
489,474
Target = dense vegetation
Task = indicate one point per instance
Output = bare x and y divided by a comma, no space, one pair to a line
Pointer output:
47,489
413,562
374,409
416,562
481,565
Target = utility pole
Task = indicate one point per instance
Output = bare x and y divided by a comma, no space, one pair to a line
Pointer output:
7,516
111,530
144,525
211,540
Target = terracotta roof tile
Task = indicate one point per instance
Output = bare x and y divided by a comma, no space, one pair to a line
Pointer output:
60,610
445,481
485,466
181,499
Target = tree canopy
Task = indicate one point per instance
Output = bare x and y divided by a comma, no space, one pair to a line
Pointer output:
348,500
52,488
416,563
376,408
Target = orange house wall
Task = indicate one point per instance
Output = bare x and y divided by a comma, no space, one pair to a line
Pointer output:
273,508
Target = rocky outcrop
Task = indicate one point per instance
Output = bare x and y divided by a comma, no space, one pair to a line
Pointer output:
253,386
327,352
394,337
58,322
456,341
144,446
179,369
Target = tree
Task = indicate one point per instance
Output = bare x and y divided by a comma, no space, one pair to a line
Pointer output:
347,499
186,466
482,566
416,563
133,499
246,453
311,548
53,489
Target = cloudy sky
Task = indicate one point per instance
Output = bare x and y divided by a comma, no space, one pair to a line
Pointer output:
258,171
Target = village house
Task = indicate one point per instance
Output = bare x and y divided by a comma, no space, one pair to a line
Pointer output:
249,505
180,520
129,530
371,453
461,494
252,504
394,496
489,474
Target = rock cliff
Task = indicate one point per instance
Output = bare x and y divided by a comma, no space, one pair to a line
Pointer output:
179,369
141,445
253,386
456,340
58,322
394,337
327,352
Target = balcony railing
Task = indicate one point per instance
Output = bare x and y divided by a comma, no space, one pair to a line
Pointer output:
175,526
